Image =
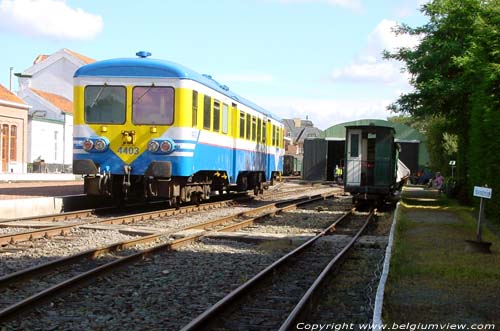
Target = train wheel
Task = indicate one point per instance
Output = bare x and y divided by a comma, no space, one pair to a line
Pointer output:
175,202
196,198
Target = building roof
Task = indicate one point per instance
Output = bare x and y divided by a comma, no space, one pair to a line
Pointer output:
59,101
7,95
83,58
404,133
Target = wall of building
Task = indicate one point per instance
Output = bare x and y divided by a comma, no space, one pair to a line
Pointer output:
56,78
14,116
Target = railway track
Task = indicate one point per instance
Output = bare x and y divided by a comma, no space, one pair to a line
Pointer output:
28,288
275,298
64,222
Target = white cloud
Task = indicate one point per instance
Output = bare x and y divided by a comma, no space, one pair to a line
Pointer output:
48,18
327,112
369,66
354,5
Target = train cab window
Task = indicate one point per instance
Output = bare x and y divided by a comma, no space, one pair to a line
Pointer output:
206,112
216,120
225,118
104,104
248,136
259,130
242,125
153,105
195,109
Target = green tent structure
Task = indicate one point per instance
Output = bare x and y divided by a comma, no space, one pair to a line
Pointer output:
413,153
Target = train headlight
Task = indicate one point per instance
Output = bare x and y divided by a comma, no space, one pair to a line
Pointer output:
153,146
166,146
100,145
87,145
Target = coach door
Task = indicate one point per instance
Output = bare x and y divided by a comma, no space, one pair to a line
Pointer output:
353,157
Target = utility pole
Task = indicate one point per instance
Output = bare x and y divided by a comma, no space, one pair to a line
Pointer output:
10,78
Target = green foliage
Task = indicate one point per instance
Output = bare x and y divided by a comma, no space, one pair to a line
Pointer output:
455,73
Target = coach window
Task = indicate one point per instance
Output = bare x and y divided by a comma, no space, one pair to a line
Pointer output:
207,103
264,131
249,123
104,104
242,125
195,109
216,116
225,118
259,130
254,128
153,105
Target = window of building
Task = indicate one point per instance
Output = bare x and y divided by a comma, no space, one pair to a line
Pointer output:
216,120
105,104
153,105
5,142
195,109
55,145
207,103
13,143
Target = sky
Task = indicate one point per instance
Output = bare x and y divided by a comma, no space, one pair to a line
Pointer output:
315,59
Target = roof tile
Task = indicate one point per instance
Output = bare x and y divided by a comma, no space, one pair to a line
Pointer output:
57,100
7,95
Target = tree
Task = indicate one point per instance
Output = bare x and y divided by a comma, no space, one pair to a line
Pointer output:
442,85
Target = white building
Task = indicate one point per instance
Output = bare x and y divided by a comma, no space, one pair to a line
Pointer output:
47,87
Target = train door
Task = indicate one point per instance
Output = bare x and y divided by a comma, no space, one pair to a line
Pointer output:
353,158
270,148
236,133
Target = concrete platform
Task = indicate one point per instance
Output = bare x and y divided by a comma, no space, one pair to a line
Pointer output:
31,207
38,177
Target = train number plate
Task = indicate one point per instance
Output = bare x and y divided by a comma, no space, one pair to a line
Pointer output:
131,150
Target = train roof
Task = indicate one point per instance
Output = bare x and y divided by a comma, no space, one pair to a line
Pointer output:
142,66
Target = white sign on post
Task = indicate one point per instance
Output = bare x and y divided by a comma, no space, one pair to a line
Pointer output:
482,192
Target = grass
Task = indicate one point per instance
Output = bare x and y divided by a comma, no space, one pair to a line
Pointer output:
432,276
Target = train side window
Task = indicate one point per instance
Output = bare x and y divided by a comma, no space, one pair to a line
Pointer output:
248,136
216,120
153,105
264,131
225,118
354,145
273,143
242,125
259,130
254,128
206,112
105,104
195,109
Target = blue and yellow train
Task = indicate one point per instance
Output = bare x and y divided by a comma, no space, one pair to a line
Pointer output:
154,129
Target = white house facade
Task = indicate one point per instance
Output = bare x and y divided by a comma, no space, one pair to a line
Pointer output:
47,87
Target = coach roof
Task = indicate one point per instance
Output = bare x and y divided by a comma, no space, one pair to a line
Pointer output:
155,68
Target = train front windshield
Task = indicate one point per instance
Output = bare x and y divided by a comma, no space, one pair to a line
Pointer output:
153,105
105,104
